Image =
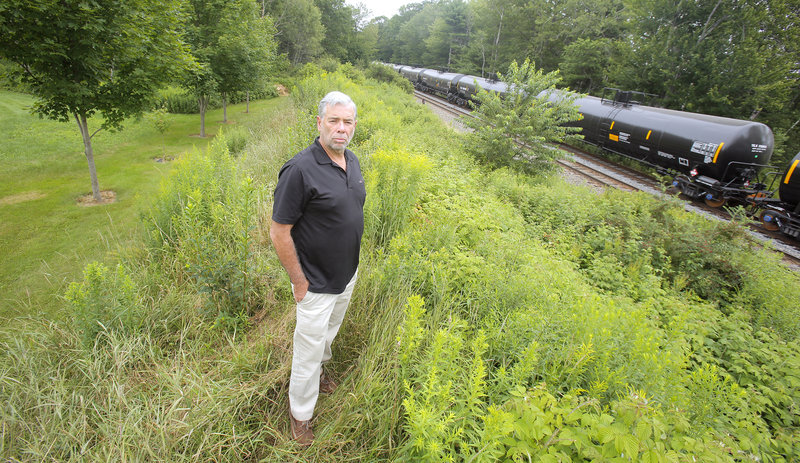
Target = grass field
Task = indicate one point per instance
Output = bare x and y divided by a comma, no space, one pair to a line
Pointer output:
46,238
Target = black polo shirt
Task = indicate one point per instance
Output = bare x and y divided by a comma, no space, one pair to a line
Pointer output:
326,205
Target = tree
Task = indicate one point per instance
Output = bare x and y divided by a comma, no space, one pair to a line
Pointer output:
734,58
233,45
447,36
516,130
586,63
244,51
340,22
412,35
300,29
82,57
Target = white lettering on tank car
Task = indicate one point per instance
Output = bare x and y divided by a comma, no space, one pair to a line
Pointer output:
704,148
683,162
756,148
623,137
707,159
666,155
644,148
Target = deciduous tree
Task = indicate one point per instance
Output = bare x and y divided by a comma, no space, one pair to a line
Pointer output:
516,130
244,52
300,29
83,57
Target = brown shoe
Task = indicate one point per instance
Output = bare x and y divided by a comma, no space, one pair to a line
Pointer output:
301,431
326,384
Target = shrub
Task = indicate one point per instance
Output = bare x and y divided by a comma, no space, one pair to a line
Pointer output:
178,101
105,301
327,63
444,379
451,416
516,131
384,73
236,139
394,181
263,93
201,225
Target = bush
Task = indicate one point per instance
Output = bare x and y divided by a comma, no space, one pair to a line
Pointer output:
327,63
394,181
104,302
178,101
236,139
181,101
384,73
264,93
201,226
517,130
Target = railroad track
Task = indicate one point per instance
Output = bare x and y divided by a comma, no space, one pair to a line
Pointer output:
427,98
604,173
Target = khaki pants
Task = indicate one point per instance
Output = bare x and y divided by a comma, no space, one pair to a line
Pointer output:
319,317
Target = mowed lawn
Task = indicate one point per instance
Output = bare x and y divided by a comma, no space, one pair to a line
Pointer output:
46,237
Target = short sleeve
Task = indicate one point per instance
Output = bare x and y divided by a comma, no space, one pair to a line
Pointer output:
290,196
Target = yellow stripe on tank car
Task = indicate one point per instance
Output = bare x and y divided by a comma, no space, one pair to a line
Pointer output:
613,137
612,125
716,155
791,171
648,134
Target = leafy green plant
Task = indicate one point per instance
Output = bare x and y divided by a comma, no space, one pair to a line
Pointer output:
105,301
203,221
515,130
394,180
236,139
444,378
384,73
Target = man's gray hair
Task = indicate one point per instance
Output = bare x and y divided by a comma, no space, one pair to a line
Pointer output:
334,98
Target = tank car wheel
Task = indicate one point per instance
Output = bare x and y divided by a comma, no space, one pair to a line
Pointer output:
768,219
713,202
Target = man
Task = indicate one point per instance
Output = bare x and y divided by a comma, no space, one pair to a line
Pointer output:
317,223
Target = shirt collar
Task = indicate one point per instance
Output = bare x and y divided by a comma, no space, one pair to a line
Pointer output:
322,157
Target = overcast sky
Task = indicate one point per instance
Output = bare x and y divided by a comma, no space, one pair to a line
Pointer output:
386,8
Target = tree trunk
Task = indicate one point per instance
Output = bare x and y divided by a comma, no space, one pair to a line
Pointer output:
224,108
203,103
83,125
449,56
247,108
483,61
497,43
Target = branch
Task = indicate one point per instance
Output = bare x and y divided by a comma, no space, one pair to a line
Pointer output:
706,29
30,73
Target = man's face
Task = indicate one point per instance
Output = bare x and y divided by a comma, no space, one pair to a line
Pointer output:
336,127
